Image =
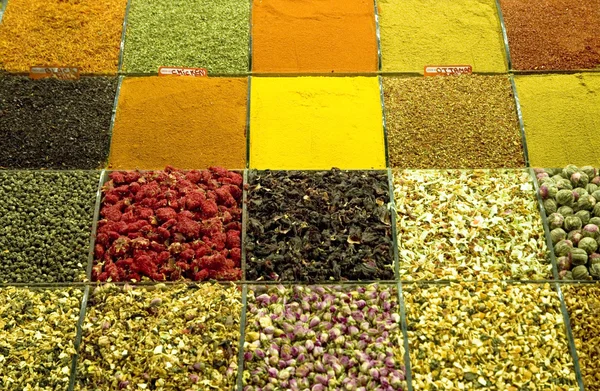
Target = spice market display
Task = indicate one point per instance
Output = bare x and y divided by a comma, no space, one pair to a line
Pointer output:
316,195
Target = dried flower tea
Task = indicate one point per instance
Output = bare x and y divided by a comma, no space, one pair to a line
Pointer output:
583,304
560,113
487,336
211,34
37,333
416,33
201,123
323,338
555,34
466,225
464,121
315,123
170,225
45,225
55,124
83,33
318,225
571,199
181,337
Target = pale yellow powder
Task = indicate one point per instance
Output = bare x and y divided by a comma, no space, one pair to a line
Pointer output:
562,118
416,33
316,123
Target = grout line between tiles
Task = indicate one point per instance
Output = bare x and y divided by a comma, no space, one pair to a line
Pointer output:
244,223
95,219
3,5
123,31
240,373
504,35
377,35
545,224
571,340
407,367
78,337
392,207
521,123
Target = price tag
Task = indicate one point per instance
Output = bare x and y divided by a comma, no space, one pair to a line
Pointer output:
63,73
180,71
450,70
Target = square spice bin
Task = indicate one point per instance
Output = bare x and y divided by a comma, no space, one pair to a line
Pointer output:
315,226
316,123
55,124
583,305
166,337
324,36
416,33
189,123
500,336
38,328
46,220
169,225
560,115
469,225
211,34
85,34
555,35
323,338
467,121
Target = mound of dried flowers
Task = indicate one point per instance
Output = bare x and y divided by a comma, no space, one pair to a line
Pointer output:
477,224
583,303
323,338
170,225
37,332
181,337
487,336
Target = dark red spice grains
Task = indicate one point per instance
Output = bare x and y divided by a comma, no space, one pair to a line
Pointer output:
170,225
553,34
318,225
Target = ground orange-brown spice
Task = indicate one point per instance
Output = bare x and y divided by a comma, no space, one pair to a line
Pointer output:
180,121
79,33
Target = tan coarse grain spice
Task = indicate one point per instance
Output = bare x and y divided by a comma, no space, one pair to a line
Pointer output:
583,304
469,224
487,336
176,337
466,121
37,332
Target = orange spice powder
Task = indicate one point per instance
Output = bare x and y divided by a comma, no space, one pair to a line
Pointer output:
321,36
80,33
180,121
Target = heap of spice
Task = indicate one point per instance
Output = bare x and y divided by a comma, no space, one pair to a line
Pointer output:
557,34
37,333
560,113
316,123
185,122
583,304
452,122
465,225
55,124
314,36
323,338
320,225
571,198
189,33
181,337
416,33
84,34
487,336
170,225
45,225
